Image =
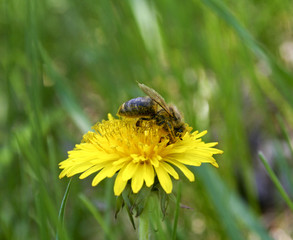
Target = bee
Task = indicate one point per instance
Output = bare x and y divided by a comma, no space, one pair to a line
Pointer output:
154,107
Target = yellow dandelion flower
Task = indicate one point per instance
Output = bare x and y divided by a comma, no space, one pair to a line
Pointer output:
136,154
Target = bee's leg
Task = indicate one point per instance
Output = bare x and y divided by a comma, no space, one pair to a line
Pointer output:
167,127
139,121
159,120
171,131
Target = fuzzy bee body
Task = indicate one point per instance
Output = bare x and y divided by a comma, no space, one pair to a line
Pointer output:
154,107
138,107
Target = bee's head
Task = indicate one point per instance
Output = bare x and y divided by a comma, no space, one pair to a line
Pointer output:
176,115
180,129
177,120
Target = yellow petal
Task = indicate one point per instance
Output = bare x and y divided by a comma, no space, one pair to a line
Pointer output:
129,170
193,159
119,184
78,169
62,174
91,170
199,135
215,164
122,160
149,174
164,179
169,169
108,171
183,169
155,160
137,179
211,144
110,117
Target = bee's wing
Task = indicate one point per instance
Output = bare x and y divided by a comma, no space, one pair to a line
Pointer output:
155,96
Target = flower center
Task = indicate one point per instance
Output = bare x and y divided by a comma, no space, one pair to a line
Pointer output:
142,143
138,158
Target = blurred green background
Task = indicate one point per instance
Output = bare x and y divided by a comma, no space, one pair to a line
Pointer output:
227,65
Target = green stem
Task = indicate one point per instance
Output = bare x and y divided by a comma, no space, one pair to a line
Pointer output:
176,212
144,224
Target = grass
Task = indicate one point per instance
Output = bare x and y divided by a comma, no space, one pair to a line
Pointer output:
226,64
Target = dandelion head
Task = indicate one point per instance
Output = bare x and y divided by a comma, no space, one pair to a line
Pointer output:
137,155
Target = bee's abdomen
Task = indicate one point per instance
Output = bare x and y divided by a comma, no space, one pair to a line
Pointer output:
138,107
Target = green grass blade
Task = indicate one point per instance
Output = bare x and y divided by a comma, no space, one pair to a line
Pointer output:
64,201
282,78
276,181
97,216
215,189
64,92
233,214
62,210
285,132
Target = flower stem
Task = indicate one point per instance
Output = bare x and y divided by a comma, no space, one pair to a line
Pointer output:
144,224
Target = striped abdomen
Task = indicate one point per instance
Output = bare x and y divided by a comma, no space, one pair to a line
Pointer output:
138,107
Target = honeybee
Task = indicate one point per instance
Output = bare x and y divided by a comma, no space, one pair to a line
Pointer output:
154,107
